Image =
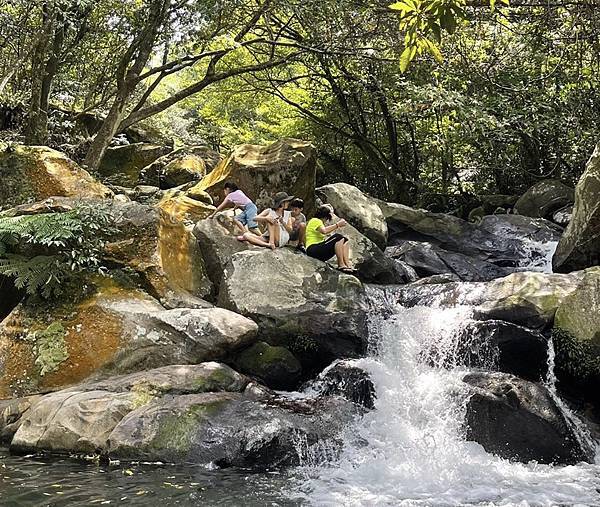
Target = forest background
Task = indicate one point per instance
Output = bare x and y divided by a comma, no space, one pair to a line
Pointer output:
425,102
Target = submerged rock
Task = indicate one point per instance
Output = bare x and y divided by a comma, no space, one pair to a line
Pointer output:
544,198
34,173
579,246
358,209
262,171
517,419
291,295
274,366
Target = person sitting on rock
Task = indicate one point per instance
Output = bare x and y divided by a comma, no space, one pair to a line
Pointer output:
278,222
299,224
235,198
321,247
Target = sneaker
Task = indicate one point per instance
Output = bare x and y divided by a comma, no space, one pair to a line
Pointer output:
301,248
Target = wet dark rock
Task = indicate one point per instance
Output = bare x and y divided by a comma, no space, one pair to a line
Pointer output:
563,216
348,381
519,420
503,240
428,259
503,346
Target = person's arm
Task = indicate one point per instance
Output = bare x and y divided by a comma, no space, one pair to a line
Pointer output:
264,217
327,229
226,203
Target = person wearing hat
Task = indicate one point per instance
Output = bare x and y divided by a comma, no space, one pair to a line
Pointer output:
278,222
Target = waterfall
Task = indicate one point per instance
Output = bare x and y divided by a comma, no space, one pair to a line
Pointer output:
411,450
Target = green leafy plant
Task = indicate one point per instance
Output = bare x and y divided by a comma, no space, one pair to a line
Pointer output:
423,22
41,251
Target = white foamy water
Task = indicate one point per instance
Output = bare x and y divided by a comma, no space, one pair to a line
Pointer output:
410,450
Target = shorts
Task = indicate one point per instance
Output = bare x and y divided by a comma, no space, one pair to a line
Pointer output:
326,249
247,217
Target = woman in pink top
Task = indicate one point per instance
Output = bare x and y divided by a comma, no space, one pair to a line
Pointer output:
235,198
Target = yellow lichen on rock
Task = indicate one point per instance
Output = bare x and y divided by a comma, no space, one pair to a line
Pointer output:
33,173
180,256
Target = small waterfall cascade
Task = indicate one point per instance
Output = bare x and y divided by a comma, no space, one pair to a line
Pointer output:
411,450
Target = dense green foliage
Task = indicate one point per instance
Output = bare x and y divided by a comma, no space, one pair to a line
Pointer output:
40,252
496,97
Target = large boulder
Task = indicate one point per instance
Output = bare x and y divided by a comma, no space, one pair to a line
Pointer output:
520,420
358,209
111,329
181,166
34,173
291,295
528,299
262,171
576,332
230,429
544,198
156,241
121,165
81,419
274,366
205,413
579,246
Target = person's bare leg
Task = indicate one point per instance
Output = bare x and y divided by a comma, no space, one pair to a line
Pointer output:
256,240
240,226
346,254
274,235
301,234
339,253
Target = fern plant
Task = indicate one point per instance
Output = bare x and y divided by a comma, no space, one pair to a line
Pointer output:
41,251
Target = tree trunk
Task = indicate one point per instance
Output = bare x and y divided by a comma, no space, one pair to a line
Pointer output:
36,128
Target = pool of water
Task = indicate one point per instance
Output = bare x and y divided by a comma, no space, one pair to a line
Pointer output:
36,481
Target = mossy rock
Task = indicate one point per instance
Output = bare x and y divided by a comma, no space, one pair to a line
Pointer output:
34,173
122,165
576,331
277,367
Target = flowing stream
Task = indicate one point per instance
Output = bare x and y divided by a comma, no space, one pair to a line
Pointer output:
409,450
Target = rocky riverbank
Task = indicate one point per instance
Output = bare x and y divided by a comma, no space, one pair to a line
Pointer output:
172,352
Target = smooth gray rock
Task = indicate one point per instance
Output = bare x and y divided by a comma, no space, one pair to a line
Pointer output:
358,209
292,295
